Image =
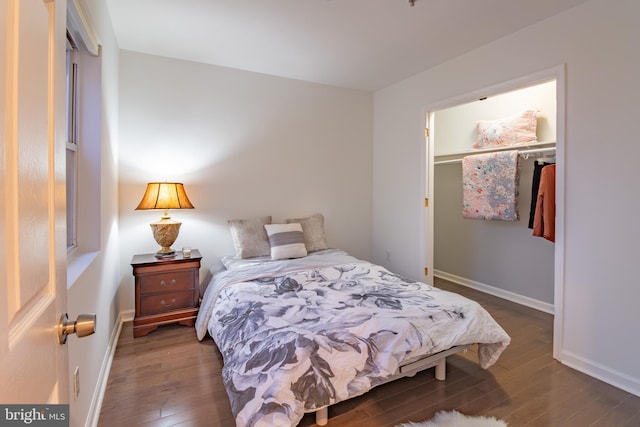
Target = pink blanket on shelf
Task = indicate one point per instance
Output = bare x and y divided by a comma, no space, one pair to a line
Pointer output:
490,186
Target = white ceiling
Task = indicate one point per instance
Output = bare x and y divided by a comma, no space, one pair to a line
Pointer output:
360,44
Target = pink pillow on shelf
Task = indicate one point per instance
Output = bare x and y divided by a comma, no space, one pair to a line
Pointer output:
517,129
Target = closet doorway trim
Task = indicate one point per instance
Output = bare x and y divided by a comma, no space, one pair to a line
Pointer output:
557,73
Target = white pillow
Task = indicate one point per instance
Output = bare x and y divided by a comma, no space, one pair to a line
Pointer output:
286,240
232,262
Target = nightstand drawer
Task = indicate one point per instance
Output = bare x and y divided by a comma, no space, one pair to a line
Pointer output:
167,282
162,303
167,290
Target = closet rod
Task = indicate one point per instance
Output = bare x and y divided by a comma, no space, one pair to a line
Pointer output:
520,153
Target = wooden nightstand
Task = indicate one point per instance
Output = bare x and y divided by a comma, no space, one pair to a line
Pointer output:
167,290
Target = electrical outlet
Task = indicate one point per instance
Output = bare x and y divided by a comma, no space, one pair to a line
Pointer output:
76,383
388,256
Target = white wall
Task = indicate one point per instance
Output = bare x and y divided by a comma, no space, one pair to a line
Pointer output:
597,42
245,145
95,290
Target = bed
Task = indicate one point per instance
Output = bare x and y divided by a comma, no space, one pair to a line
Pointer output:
298,335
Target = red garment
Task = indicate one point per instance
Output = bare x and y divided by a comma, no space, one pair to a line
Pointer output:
544,221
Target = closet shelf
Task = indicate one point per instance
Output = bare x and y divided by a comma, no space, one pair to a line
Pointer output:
525,149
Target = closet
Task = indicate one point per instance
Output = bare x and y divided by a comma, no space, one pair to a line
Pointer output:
502,257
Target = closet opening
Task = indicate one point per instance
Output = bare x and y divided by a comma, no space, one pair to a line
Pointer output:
481,214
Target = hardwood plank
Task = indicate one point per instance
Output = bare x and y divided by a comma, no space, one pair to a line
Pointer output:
169,378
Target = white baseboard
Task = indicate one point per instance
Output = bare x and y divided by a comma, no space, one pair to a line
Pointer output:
103,378
603,373
500,293
126,316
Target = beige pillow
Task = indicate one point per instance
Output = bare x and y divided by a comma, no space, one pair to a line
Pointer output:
313,231
249,237
286,241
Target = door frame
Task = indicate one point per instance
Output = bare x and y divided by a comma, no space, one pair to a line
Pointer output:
557,73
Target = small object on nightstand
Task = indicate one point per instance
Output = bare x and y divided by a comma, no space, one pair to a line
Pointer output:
167,290
157,255
186,251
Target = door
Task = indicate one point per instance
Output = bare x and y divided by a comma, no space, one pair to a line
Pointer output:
32,214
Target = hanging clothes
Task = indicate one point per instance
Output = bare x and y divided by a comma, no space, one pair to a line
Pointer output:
545,213
535,186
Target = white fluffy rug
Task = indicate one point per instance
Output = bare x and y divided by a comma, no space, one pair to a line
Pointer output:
456,419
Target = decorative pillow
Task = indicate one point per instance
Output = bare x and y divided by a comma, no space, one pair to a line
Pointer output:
249,237
287,240
313,230
513,130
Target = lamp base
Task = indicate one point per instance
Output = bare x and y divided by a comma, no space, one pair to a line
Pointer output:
165,232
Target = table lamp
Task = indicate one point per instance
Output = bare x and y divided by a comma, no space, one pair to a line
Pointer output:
165,195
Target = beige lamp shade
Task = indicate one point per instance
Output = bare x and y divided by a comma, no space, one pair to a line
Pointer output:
165,195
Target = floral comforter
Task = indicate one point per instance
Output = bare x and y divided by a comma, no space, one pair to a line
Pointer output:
298,335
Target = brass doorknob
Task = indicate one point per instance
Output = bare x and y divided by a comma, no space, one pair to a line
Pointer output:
84,325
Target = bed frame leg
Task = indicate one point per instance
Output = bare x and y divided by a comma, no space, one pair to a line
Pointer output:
441,369
322,416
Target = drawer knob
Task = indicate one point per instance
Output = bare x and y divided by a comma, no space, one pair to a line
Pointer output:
166,285
171,304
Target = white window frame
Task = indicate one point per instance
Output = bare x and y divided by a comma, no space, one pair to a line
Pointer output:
72,132
84,146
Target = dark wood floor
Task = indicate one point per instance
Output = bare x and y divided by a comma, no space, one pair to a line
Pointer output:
169,378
